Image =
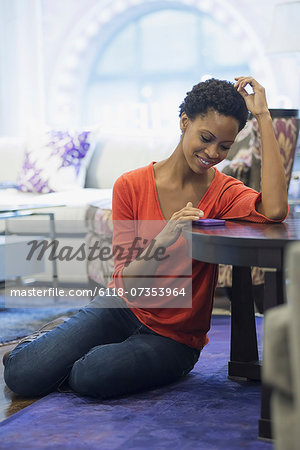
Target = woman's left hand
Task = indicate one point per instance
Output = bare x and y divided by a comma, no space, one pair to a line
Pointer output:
256,102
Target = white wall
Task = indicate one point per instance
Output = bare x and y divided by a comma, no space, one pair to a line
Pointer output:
36,37
21,64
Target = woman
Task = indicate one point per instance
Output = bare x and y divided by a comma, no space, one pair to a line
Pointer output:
120,344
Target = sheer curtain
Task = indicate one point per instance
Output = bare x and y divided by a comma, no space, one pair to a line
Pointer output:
21,65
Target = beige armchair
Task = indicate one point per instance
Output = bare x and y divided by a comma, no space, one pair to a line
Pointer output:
281,366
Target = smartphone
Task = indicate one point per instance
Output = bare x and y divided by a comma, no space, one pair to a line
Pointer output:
208,222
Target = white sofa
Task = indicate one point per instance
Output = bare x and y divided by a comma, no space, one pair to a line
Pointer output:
113,156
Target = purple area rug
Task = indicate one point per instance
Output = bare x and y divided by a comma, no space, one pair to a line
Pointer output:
205,411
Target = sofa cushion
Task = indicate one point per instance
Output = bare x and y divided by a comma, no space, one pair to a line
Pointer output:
12,151
98,218
56,160
115,155
99,270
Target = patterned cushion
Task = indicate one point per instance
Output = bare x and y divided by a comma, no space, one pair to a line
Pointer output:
225,276
56,161
99,270
286,131
239,170
98,219
240,154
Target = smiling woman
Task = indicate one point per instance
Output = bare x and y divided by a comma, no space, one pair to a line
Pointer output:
211,116
211,137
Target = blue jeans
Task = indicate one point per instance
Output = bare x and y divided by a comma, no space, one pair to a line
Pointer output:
102,351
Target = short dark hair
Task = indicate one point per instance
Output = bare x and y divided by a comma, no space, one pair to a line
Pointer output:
219,95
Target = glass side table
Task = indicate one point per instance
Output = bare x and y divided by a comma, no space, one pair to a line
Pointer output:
14,214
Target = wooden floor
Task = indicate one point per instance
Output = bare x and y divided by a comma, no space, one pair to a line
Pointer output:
10,403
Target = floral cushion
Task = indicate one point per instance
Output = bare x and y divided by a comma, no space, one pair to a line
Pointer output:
225,276
239,156
98,219
286,131
56,160
99,270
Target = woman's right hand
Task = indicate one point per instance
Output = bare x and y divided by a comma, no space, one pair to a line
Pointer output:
179,220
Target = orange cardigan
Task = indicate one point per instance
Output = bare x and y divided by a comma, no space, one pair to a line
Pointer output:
135,201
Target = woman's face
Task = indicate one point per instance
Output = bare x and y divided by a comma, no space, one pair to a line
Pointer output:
206,140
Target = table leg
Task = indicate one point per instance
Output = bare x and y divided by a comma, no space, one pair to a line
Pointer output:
274,295
52,237
244,354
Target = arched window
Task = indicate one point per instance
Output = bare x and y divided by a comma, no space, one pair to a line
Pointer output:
142,74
